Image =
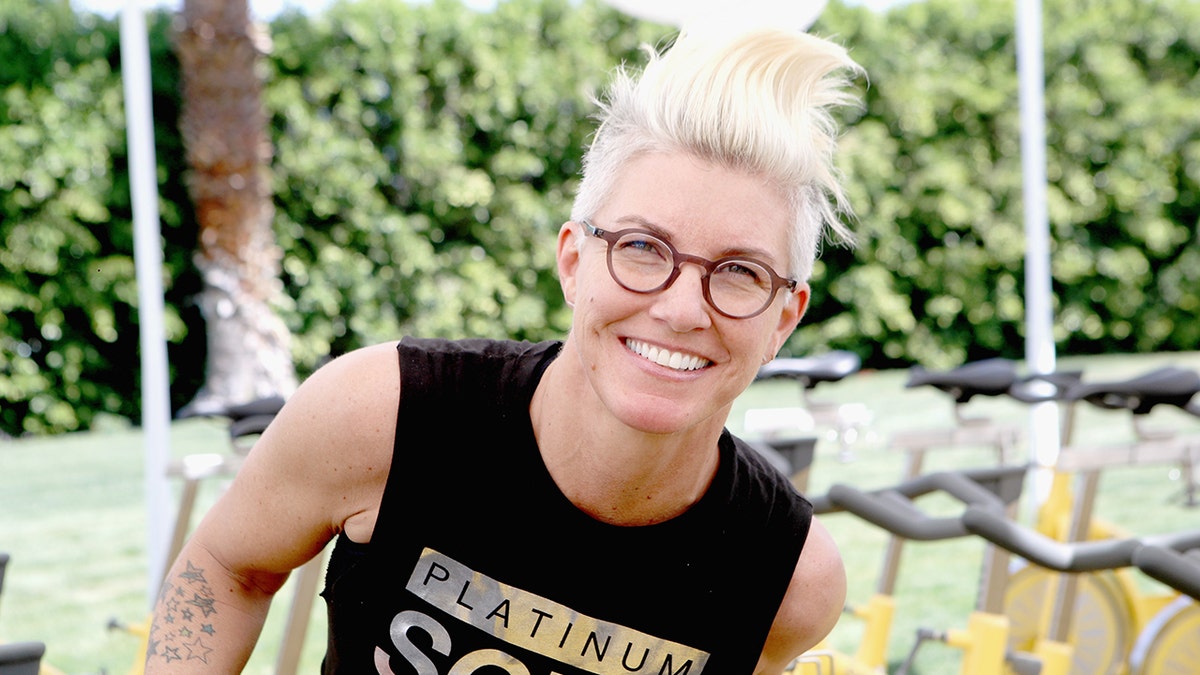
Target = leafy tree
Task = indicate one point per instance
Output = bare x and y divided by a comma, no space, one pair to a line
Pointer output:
61,274
68,292
1123,86
426,154
449,145
933,164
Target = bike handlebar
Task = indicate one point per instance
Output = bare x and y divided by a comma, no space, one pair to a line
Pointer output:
1086,556
893,508
897,515
1159,556
1170,565
984,494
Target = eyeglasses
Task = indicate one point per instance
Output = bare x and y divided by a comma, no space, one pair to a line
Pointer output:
641,262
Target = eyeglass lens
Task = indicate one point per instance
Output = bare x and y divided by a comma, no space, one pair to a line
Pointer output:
643,263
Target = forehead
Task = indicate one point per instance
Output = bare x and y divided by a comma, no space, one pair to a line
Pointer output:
699,205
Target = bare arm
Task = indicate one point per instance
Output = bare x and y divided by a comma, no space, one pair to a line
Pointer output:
319,469
812,606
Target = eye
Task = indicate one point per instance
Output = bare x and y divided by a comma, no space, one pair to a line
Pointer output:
751,271
643,245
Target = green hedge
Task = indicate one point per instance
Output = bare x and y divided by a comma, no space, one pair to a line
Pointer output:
425,156
68,294
935,172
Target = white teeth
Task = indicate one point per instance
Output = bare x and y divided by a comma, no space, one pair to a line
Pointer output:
666,358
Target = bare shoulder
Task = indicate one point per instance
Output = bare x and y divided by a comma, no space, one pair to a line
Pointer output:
321,465
352,394
345,413
813,603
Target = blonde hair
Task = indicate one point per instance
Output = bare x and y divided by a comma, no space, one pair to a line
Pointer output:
757,102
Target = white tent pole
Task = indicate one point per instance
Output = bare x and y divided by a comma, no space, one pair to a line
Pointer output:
156,414
1039,322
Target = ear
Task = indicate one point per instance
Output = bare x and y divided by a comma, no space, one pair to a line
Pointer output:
795,304
568,259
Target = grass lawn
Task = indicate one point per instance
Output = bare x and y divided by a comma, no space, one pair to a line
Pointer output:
72,515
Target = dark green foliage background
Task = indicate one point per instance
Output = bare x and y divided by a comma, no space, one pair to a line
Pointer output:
934,168
426,155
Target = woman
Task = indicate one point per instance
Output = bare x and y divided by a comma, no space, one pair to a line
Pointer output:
573,507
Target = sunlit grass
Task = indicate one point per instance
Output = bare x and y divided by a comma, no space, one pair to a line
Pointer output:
73,518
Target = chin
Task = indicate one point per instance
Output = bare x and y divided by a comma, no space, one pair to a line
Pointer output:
657,418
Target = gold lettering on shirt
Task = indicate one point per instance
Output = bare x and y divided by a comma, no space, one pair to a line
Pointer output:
546,627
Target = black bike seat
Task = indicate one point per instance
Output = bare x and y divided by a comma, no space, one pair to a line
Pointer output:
1169,385
262,406
1042,387
989,377
812,370
248,419
249,426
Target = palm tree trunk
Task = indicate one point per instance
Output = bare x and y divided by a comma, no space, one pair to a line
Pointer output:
228,150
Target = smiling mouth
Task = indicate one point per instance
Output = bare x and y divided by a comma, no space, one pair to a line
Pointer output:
665,357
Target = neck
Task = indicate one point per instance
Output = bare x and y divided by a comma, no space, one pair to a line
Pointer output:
615,473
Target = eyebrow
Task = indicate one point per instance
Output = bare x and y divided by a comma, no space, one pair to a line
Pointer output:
643,224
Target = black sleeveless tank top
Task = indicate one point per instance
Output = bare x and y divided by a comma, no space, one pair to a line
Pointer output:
479,565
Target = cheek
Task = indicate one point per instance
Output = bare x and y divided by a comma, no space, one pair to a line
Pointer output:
598,295
756,344
592,310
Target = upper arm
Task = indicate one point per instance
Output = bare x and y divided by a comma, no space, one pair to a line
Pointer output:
812,605
319,468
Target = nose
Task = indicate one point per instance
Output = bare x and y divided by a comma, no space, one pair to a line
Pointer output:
682,305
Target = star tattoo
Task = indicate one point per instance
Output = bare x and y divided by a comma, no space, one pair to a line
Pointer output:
193,573
206,605
197,650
